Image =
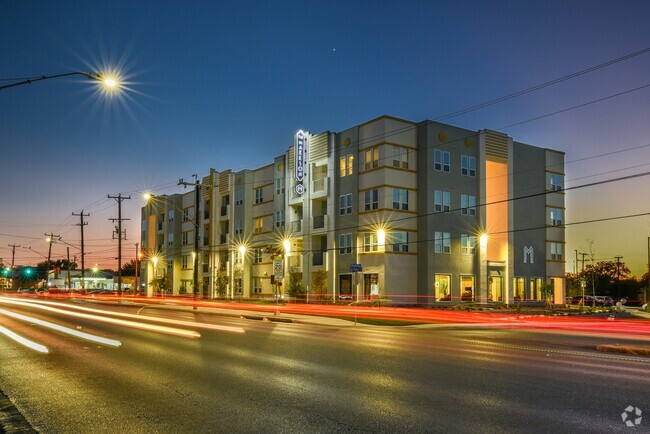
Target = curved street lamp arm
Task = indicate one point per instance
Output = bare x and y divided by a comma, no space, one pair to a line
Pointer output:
47,77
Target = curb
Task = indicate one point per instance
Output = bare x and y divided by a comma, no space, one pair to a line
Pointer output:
625,349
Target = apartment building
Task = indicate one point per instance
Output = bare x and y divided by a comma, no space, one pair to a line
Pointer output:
419,213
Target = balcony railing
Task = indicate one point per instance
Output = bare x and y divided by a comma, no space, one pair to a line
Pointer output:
224,210
319,221
319,186
318,258
296,226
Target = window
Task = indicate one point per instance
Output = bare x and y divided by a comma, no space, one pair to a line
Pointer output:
467,165
279,219
345,204
400,199
257,285
466,288
186,238
239,227
467,244
441,161
442,242
371,199
345,244
441,201
347,164
400,157
555,215
170,215
467,204
536,288
239,197
279,186
259,197
556,251
400,241
170,239
259,225
370,242
186,214
555,182
185,260
371,160
442,287
170,263
257,255
519,288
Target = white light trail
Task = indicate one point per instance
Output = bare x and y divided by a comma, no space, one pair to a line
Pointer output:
62,329
125,323
222,328
21,340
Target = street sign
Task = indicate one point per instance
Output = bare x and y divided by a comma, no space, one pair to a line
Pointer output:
278,269
355,268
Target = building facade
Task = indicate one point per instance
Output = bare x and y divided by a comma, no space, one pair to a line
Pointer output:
418,213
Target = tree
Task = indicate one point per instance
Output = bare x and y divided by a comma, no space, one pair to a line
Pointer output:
160,284
128,268
221,281
296,287
319,282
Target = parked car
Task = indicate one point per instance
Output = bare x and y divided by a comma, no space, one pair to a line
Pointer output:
587,300
604,300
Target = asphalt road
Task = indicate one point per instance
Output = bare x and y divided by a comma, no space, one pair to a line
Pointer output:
280,377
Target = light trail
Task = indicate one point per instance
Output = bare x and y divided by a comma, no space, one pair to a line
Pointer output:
62,329
21,340
222,328
148,327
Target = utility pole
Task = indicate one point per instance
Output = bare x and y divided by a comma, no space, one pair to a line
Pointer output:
137,258
119,198
13,256
197,199
69,285
618,273
83,264
583,260
50,240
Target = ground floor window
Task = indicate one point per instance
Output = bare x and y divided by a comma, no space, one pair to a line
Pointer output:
495,288
238,286
536,288
345,286
519,288
467,288
371,285
257,285
442,287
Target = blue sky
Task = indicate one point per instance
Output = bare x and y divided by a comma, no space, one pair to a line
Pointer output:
209,80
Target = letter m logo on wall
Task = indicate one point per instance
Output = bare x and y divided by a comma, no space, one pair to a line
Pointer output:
528,254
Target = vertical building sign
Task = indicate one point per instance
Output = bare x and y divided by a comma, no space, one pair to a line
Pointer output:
299,149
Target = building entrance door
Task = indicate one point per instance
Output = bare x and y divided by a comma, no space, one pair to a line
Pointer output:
370,285
495,288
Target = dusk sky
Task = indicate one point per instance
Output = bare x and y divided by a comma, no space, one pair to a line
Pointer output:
227,84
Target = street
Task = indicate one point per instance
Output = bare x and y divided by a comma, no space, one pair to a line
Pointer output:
289,377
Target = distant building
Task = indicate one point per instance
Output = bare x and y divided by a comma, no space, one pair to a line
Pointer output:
430,213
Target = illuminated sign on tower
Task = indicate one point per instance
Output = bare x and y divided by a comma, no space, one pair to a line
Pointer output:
300,147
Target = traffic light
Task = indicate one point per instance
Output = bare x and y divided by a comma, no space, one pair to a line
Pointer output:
5,272
27,271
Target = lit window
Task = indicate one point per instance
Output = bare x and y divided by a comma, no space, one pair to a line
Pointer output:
371,160
441,201
441,160
259,225
442,285
347,165
466,288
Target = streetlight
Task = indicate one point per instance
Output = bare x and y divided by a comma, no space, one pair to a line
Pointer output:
110,82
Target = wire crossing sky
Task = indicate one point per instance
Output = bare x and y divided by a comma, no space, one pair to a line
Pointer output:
205,81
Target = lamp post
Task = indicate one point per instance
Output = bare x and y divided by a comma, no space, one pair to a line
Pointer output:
109,81
483,273
286,244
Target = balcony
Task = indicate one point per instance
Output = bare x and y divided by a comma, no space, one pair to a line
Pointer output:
319,222
223,213
296,226
206,268
223,238
318,258
319,187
